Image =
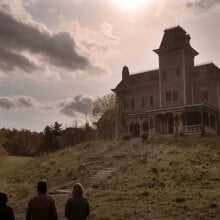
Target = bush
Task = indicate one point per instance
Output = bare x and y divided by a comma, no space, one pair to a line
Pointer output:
144,136
126,137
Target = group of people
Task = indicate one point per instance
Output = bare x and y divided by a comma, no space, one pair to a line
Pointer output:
42,206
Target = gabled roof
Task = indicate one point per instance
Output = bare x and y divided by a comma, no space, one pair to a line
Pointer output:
208,69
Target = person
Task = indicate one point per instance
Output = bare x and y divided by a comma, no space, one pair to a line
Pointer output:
41,206
77,207
6,212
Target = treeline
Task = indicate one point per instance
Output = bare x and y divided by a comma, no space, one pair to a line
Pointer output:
54,137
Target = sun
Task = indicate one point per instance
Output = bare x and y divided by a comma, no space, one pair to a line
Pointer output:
130,4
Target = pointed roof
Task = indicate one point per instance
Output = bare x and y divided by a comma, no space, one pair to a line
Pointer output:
175,37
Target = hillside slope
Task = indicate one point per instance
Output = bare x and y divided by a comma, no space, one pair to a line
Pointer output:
165,179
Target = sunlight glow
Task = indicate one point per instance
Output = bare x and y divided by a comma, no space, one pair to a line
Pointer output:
130,4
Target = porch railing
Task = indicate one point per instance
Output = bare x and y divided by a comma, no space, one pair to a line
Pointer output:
192,128
210,130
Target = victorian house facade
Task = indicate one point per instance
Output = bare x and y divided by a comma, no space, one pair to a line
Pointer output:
179,98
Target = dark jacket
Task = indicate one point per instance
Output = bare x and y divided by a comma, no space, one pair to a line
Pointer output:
77,208
41,207
6,212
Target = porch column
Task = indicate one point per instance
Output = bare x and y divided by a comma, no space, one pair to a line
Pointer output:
209,120
202,123
141,126
180,122
152,125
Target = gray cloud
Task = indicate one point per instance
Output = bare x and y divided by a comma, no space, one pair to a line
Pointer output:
21,102
78,104
11,61
57,48
203,4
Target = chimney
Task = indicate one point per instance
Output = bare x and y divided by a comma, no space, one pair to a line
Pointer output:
125,73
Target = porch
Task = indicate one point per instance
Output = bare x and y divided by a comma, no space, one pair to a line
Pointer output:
199,119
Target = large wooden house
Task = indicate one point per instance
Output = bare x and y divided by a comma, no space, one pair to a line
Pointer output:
179,98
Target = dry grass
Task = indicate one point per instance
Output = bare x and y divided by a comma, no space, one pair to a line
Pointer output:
173,179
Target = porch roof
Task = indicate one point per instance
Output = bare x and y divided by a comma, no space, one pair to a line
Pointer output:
186,107
200,106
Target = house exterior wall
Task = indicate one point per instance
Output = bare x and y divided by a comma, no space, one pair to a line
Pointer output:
176,73
211,87
169,61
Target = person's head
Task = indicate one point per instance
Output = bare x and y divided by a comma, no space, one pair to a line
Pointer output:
42,186
78,189
3,198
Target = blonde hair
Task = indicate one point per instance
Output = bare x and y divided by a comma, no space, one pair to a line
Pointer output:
78,189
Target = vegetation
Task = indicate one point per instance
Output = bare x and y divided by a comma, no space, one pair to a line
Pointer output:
164,179
54,137
103,104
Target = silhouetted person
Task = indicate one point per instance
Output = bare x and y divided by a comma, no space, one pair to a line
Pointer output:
77,207
6,212
42,206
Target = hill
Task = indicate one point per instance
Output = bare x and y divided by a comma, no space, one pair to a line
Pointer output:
175,178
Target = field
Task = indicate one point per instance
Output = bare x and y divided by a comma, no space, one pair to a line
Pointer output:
175,178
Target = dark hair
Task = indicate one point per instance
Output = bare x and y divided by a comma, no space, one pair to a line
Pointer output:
3,198
78,189
42,186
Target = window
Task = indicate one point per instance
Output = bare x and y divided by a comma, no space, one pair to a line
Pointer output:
171,72
125,105
132,103
178,71
147,101
143,102
129,103
172,95
151,101
175,95
169,96
164,74
205,95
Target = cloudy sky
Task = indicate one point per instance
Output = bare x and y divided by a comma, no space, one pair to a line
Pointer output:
57,56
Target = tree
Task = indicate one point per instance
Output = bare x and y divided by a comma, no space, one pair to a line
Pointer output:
48,137
57,128
103,104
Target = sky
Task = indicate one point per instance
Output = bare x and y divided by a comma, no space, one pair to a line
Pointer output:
57,56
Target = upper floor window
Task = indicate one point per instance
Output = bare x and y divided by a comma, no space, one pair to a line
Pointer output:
125,105
205,95
172,95
129,103
147,101
171,72
132,104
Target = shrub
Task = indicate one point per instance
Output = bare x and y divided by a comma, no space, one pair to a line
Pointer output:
126,137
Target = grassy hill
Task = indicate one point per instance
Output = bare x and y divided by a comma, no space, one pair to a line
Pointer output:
165,179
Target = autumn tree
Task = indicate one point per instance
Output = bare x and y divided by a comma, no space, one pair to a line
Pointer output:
20,142
103,104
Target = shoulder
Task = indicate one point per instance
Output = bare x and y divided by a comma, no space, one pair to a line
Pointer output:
7,207
85,199
32,198
50,198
